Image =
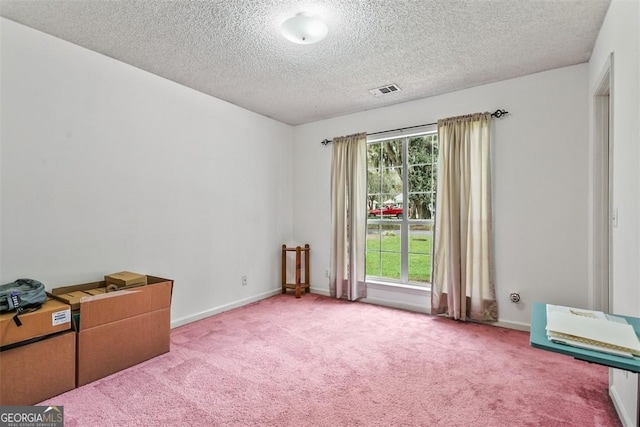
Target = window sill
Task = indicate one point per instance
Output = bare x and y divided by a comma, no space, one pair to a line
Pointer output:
398,295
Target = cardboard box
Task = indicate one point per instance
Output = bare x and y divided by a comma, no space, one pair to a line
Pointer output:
54,316
117,330
38,371
126,278
72,294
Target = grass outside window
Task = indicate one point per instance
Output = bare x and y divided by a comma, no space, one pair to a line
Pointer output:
383,256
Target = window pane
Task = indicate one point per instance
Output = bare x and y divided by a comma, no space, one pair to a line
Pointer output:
420,237
374,234
391,181
420,178
391,153
374,177
390,251
420,268
384,178
373,264
383,246
421,206
390,263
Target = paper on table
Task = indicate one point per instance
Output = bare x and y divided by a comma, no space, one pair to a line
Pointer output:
576,311
594,331
586,345
587,313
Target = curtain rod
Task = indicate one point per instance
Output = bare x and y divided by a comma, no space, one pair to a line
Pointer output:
497,114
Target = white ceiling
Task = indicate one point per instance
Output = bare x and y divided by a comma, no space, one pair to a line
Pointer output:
231,49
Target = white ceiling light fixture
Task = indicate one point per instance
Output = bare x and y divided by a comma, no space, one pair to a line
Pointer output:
304,29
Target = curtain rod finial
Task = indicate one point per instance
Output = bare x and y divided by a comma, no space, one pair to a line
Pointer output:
325,141
499,113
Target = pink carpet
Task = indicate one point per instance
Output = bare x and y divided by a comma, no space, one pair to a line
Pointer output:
316,361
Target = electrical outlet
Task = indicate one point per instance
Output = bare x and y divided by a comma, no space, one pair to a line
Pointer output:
326,273
514,297
244,281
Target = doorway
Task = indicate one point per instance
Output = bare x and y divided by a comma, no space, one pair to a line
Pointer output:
604,217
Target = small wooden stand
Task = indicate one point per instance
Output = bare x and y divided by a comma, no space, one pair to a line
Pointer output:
298,286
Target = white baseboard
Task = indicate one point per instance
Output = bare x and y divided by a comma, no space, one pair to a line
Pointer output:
323,291
422,309
620,408
223,308
518,326
320,291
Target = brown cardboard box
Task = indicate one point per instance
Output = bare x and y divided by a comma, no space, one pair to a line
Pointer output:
54,316
35,372
126,278
120,329
72,294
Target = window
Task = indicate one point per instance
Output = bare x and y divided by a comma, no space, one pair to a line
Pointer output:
401,208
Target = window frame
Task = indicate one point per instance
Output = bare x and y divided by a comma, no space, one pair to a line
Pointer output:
405,222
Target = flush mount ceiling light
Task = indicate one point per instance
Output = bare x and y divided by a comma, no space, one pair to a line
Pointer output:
304,29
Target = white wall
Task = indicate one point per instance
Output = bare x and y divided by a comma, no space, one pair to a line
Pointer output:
540,153
105,167
620,35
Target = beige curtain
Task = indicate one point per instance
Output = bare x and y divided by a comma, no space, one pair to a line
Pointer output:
463,277
348,217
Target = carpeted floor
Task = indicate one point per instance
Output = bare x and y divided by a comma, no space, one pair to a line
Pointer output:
317,361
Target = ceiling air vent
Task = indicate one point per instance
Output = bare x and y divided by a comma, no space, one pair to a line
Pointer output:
385,90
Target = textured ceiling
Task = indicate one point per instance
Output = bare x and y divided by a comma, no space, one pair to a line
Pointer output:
232,49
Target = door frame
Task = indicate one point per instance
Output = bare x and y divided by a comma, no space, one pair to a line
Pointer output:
601,193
